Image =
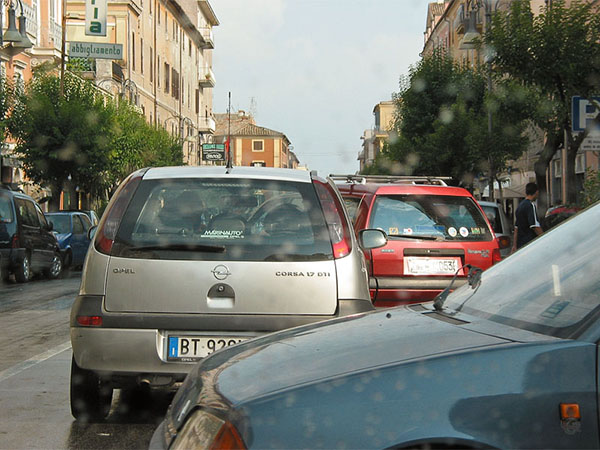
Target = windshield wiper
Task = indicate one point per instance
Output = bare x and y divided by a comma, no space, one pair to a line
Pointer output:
473,278
416,236
181,247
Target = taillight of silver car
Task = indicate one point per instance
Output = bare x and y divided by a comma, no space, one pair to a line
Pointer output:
339,232
111,219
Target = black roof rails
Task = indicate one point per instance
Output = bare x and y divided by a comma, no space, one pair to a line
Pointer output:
403,179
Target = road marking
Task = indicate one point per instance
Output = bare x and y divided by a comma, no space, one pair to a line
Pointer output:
20,367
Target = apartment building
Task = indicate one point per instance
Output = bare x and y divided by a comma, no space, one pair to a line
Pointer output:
166,70
375,138
254,145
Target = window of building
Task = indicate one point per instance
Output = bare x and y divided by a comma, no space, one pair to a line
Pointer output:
167,72
175,83
151,65
197,101
258,145
190,48
580,163
133,50
258,164
141,56
557,168
158,13
182,91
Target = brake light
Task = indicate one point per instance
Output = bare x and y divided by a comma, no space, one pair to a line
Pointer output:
339,232
496,256
228,438
111,219
89,321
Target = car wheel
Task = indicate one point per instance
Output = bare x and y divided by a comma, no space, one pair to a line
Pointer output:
90,395
55,268
23,270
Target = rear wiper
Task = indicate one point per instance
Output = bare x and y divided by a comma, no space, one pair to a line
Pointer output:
413,236
181,247
473,278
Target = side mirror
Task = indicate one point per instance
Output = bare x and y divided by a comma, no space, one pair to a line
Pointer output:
92,232
371,238
50,226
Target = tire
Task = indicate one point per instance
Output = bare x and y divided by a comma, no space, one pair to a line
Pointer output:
23,270
91,397
55,268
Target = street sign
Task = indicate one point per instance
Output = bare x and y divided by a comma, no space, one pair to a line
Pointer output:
584,112
95,50
213,152
95,17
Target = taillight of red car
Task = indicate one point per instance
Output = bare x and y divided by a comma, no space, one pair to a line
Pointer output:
111,219
339,231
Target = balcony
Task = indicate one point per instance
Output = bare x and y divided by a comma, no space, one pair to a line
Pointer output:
207,35
207,77
206,125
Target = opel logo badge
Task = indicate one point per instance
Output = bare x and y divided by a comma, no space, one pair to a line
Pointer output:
221,272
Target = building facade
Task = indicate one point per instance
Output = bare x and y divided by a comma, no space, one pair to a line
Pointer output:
375,138
253,145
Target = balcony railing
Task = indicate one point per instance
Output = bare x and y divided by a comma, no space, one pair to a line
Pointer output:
207,77
207,35
206,125
56,34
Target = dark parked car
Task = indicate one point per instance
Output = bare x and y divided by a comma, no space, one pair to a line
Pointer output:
71,230
510,360
27,244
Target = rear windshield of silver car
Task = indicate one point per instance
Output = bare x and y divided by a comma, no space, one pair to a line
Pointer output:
224,220
440,217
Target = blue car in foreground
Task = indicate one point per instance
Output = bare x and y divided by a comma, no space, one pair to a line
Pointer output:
508,360
71,230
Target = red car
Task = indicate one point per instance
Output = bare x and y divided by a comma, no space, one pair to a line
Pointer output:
436,233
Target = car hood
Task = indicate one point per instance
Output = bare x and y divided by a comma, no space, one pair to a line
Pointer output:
355,344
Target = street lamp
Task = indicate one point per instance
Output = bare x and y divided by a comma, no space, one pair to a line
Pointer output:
17,38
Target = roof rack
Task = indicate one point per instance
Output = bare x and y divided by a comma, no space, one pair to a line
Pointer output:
403,179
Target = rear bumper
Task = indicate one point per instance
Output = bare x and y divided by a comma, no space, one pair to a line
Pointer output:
134,344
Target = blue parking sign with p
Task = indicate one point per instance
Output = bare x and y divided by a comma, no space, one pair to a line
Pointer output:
584,112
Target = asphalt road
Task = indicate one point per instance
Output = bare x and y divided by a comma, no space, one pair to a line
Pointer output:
35,361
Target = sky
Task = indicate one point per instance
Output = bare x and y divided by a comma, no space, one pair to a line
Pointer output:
315,69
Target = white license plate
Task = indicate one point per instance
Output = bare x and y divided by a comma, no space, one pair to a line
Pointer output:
191,348
430,266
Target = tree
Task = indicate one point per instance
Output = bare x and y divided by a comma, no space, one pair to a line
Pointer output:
442,121
61,138
556,53
136,144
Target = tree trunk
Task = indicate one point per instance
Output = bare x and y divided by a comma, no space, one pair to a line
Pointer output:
541,167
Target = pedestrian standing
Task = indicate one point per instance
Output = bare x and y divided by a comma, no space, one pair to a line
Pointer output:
527,225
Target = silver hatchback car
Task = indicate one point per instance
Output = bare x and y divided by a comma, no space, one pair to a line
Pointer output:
189,260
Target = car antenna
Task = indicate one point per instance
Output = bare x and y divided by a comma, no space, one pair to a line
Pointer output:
229,162
438,302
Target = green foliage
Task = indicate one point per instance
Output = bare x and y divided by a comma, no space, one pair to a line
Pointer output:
442,121
5,101
61,135
591,188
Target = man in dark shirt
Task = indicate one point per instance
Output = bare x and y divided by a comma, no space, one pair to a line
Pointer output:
527,226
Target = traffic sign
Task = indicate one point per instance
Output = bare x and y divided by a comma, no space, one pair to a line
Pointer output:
213,152
584,113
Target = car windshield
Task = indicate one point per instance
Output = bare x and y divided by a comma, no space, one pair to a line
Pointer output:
440,216
61,223
554,282
247,220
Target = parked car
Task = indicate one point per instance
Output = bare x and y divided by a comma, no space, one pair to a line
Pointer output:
510,360
71,230
183,265
435,233
27,245
500,224
91,214
558,214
